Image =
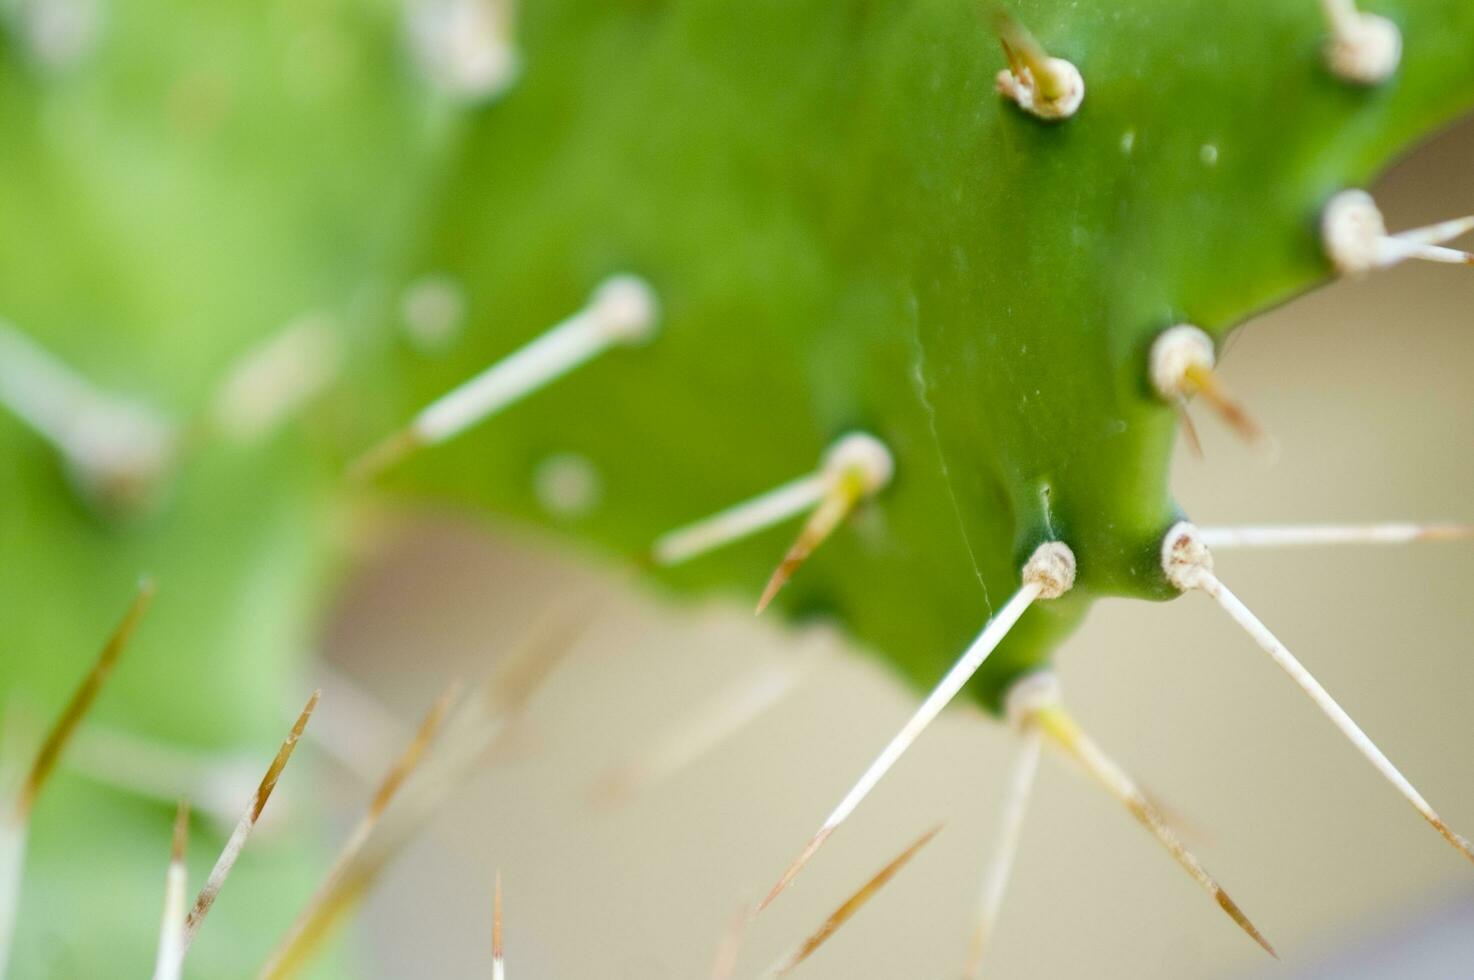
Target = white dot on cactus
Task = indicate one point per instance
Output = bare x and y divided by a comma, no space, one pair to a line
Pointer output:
1356,240
1043,86
1364,49
432,311
568,485
1351,228
863,455
275,379
1128,141
1175,353
1208,154
465,46
1024,90
1180,365
59,33
627,308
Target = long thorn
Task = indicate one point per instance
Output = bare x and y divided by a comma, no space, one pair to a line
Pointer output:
468,732
1039,581
161,771
623,310
81,702
1439,233
498,963
1281,655
170,961
386,454
15,742
1364,49
1356,240
851,905
695,735
410,758
1005,848
45,393
1205,382
835,507
856,466
724,964
393,780
238,837
361,731
1310,535
1440,253
1061,728
939,698
739,521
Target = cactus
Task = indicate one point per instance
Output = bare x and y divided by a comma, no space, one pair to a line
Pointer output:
762,228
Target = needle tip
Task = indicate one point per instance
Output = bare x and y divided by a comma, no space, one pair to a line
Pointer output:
1448,532
793,870
774,586
181,831
496,919
1459,841
384,456
1237,915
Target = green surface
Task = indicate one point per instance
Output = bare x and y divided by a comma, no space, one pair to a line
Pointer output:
850,229
847,229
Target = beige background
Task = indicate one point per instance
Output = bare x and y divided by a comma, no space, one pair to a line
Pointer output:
1367,388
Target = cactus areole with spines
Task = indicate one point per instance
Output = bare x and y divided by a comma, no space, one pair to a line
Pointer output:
978,288
844,228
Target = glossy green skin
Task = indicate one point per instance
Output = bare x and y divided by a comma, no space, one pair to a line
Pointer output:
850,229
847,229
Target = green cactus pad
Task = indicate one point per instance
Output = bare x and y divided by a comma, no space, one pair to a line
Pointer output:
849,229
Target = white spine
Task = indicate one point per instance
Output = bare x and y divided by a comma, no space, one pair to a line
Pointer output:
950,685
623,310
735,523
45,393
1005,848
12,868
1270,644
1311,535
549,357
170,962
